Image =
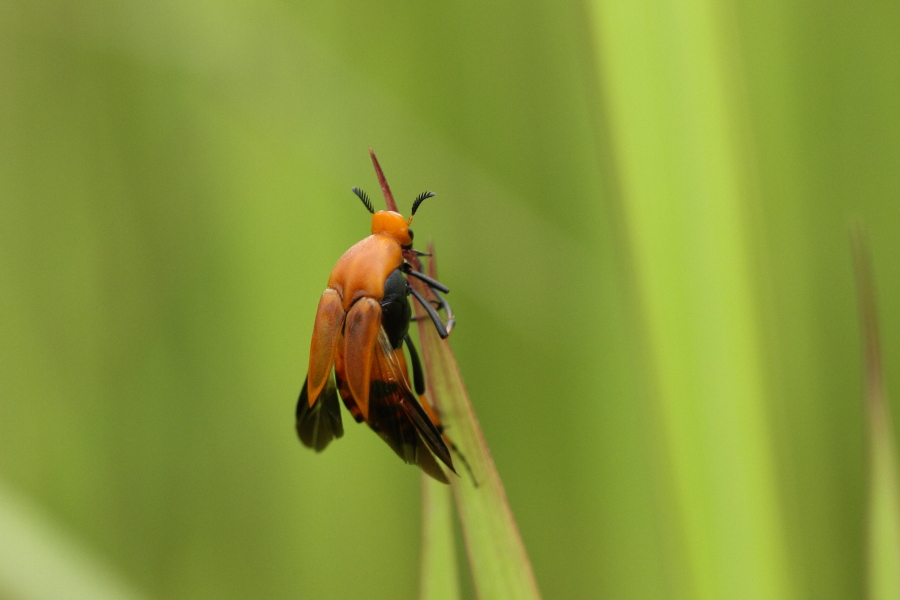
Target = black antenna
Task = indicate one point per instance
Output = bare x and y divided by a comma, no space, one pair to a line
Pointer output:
419,200
365,199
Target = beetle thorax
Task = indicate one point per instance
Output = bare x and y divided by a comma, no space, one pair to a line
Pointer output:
363,269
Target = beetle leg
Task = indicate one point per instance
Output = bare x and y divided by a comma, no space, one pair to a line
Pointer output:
440,303
434,303
451,320
418,374
438,324
461,456
432,283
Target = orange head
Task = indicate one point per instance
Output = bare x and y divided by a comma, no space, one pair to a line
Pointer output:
391,222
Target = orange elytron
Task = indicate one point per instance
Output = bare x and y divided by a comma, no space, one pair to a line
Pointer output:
361,325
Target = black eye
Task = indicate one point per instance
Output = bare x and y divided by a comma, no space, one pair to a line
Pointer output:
410,233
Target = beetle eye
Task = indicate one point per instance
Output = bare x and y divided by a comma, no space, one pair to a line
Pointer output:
410,233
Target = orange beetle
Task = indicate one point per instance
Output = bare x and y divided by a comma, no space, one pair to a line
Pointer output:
361,324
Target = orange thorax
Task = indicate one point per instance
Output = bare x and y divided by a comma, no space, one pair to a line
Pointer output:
363,269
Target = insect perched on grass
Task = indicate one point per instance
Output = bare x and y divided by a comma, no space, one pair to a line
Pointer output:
361,325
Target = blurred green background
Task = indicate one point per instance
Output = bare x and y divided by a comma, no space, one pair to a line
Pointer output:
642,214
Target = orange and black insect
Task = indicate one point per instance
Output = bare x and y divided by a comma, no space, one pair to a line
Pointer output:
361,325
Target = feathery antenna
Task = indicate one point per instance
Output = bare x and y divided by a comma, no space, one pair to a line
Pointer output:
365,199
419,200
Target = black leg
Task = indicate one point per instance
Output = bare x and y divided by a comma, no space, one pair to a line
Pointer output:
418,375
451,320
432,283
463,459
438,324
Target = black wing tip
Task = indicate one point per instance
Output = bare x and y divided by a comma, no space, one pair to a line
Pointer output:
427,432
425,460
320,423
441,479
302,404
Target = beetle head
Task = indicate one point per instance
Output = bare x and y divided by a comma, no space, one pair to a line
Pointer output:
393,224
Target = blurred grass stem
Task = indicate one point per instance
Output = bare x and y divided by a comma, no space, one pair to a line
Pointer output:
501,569
883,513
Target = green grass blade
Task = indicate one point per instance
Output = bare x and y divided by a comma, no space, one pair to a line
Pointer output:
439,578
671,81
40,562
499,563
883,513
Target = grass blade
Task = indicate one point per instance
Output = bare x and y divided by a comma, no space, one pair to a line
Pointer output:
39,561
439,573
883,513
497,558
683,162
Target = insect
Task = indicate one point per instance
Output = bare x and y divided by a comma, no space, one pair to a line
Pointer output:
361,325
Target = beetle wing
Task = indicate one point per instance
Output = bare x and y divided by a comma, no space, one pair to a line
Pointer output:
360,333
320,423
326,331
396,416
340,377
